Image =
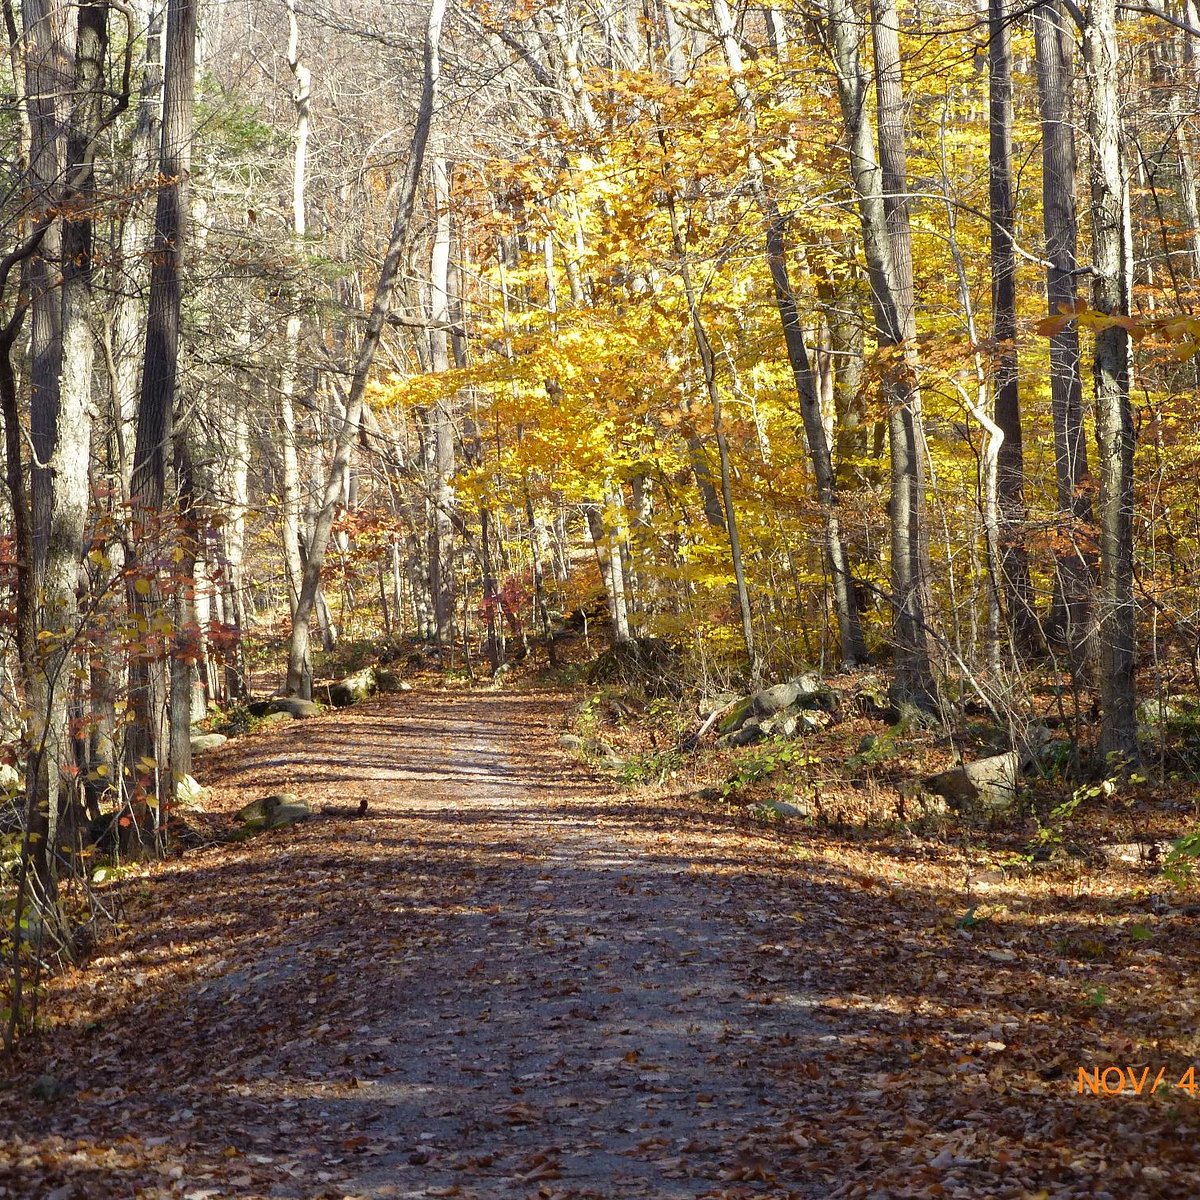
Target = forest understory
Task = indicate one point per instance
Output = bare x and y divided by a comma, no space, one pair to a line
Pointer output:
516,975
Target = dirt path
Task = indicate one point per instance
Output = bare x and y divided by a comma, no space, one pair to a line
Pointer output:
504,981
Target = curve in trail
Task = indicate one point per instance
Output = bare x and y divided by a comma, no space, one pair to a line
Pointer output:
504,981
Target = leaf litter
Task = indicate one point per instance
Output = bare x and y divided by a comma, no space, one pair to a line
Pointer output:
506,980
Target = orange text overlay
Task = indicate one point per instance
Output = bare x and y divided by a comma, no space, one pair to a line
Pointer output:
1135,1081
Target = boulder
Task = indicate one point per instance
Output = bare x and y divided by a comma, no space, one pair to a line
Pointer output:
189,793
354,689
802,692
784,724
915,803
275,718
775,698
785,808
390,681
794,722
707,705
288,814
293,706
737,716
1138,854
989,784
568,741
871,699
273,812
1161,711
748,734
932,806
203,742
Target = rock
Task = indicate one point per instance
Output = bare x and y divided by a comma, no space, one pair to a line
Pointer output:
989,784
273,812
1159,711
598,749
929,804
203,742
748,734
809,720
275,718
737,717
913,717
775,698
786,809
293,706
189,793
288,814
786,724
794,722
568,741
805,691
391,682
354,689
1140,854
707,705
872,700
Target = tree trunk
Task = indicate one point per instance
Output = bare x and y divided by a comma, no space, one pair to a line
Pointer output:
290,517
47,89
1070,619
1117,616
708,365
49,51
234,534
440,426
147,684
61,413
1010,464
608,556
124,332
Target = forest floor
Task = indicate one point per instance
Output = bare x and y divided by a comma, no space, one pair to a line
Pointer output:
513,978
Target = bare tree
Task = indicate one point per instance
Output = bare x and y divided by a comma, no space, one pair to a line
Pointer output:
299,679
1117,614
